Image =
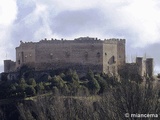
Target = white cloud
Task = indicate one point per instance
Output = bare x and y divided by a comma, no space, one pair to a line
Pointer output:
61,5
143,17
8,12
76,4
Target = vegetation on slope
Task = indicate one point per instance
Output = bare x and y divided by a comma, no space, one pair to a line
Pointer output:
63,95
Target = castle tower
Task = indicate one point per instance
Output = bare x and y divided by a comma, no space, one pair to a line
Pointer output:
6,65
149,67
121,52
25,54
113,55
139,62
9,65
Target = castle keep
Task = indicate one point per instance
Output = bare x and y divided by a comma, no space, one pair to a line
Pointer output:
82,54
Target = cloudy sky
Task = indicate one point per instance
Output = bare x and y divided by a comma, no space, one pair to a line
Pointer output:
138,21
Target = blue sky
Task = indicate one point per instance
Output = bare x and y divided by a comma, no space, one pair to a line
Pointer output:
138,21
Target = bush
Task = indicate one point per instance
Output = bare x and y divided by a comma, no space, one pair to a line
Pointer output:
30,91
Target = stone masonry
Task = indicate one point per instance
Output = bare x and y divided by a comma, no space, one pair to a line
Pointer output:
82,54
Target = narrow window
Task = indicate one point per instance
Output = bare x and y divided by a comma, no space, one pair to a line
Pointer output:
22,54
113,59
19,62
86,55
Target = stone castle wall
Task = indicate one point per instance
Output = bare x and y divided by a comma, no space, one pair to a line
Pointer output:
144,67
65,54
82,53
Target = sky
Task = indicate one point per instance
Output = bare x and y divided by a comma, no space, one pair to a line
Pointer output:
137,21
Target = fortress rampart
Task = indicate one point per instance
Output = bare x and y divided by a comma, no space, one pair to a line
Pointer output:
144,67
82,54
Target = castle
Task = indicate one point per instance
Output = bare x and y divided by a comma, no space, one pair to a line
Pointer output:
82,54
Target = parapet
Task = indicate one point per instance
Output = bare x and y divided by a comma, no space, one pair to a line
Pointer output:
149,59
23,43
76,40
26,44
114,41
87,40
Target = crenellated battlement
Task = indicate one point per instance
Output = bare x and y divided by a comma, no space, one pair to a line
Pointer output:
25,44
76,40
87,38
21,42
114,41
